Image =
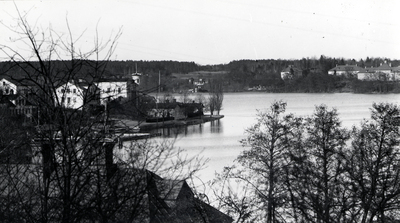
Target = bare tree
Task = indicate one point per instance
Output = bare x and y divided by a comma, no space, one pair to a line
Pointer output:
373,164
73,176
262,165
216,96
325,141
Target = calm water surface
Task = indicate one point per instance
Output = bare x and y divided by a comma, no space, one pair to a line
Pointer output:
219,141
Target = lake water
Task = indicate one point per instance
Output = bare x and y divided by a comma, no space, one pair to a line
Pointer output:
219,141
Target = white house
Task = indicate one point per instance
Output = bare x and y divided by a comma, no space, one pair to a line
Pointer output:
346,70
385,72
8,87
70,95
111,89
118,87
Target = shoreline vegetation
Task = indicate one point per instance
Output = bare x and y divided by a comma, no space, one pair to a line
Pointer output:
259,75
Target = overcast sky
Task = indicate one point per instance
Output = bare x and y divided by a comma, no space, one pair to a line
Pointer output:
219,31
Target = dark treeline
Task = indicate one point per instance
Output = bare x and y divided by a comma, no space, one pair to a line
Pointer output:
152,67
241,75
119,67
244,74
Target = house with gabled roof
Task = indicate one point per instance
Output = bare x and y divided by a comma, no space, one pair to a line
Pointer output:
184,206
117,88
112,88
76,94
346,70
130,195
385,72
10,86
70,95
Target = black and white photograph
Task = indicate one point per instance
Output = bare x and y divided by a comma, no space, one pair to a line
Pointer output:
199,111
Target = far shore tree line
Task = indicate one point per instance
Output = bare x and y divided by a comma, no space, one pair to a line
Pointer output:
238,76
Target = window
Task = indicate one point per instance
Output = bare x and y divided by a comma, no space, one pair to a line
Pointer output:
108,90
74,91
68,90
119,90
68,100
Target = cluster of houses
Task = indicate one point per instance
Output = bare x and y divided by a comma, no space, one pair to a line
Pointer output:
159,199
75,93
385,72
166,200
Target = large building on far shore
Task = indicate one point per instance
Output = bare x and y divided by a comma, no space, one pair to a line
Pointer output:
385,72
346,70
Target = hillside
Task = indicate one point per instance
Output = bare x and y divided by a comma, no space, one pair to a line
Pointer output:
240,75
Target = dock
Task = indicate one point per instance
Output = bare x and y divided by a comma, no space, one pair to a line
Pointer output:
179,123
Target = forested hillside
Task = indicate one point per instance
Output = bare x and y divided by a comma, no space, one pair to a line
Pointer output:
242,75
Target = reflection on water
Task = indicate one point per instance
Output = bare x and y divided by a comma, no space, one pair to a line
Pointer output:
216,126
198,129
